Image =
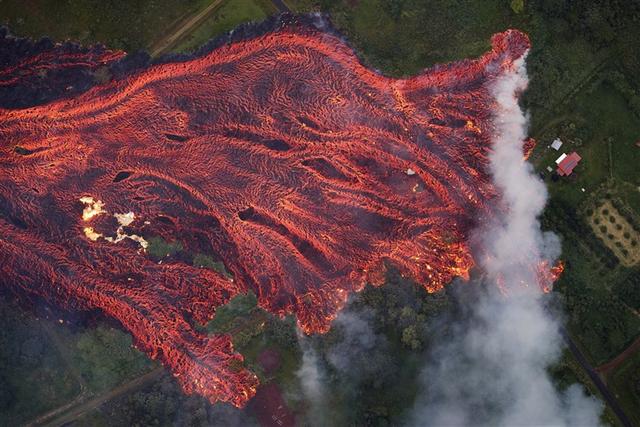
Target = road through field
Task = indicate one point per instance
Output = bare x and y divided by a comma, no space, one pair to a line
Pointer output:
97,401
188,25
597,381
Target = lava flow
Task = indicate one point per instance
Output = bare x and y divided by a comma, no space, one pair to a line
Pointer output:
279,154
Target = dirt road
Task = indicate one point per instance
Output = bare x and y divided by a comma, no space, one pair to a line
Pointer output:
188,25
97,401
605,368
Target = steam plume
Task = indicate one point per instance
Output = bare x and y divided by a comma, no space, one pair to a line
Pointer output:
494,369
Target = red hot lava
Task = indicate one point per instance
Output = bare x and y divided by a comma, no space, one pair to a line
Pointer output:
281,155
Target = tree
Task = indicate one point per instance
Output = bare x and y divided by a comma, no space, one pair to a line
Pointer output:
517,6
410,338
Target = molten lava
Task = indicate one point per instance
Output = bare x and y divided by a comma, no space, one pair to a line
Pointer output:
304,172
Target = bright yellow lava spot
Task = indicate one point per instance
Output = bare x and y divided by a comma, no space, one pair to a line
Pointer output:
91,233
125,219
94,207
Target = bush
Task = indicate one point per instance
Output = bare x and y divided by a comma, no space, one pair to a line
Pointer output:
626,235
605,211
612,219
618,227
603,228
610,236
633,243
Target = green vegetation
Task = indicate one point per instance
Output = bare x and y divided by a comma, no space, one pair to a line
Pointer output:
229,16
205,261
105,357
33,373
46,363
625,382
233,313
127,25
567,371
401,37
160,248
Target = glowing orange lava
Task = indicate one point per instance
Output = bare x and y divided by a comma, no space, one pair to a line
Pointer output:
281,155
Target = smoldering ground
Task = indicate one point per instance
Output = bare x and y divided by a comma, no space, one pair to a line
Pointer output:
494,368
490,352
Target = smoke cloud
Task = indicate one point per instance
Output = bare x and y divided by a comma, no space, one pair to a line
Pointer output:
352,355
493,368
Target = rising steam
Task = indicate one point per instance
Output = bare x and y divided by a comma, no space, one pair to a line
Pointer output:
494,369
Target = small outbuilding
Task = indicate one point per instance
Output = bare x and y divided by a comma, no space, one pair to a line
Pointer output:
556,144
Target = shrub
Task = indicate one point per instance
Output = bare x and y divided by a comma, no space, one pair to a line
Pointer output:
610,236
626,235
618,227
612,218
605,211
603,228
597,221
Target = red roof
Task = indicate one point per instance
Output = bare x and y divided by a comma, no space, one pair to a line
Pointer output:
565,167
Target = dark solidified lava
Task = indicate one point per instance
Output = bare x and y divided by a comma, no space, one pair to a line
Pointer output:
303,171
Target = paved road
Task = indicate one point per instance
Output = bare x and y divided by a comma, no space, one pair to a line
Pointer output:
600,385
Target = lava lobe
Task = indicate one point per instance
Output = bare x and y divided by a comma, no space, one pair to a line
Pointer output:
282,156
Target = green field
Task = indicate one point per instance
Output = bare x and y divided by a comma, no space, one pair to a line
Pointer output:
625,383
46,363
226,18
33,373
129,25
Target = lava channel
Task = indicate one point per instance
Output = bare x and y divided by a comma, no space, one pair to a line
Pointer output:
280,154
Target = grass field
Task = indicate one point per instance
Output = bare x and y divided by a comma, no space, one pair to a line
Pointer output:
227,17
568,371
45,363
402,38
131,25
34,377
625,383
127,25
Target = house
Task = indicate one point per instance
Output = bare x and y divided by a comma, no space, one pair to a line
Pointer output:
556,144
566,163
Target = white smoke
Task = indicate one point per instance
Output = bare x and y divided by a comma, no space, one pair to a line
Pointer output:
493,370
312,381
